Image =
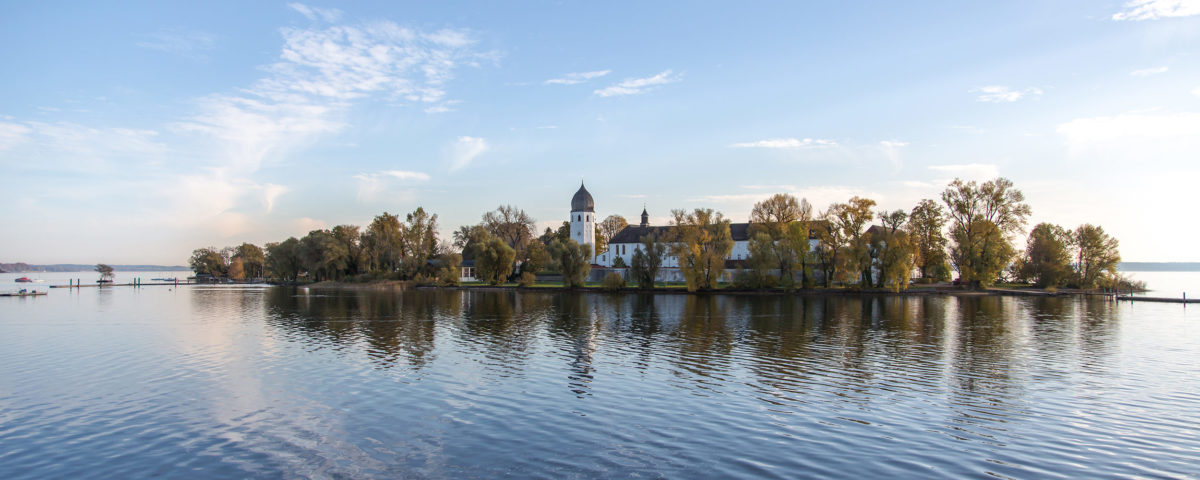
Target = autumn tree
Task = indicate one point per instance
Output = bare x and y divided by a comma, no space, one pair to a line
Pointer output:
351,241
895,258
848,223
701,242
1047,258
1096,254
925,225
420,241
208,261
236,271
252,258
105,271
762,262
607,229
647,260
774,214
512,225
573,260
983,218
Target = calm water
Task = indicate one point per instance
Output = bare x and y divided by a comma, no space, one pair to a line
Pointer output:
217,382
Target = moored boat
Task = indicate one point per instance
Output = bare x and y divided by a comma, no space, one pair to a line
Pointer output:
24,280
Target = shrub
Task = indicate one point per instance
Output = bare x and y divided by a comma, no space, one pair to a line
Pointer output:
527,279
614,281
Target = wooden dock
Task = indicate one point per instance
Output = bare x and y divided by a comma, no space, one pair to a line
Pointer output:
1135,298
23,294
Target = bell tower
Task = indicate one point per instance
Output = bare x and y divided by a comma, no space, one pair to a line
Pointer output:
583,221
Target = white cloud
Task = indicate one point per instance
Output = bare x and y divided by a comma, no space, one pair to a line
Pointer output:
634,86
576,78
12,133
306,224
786,143
1155,9
1196,92
316,13
465,150
1146,72
271,192
1003,94
371,186
967,172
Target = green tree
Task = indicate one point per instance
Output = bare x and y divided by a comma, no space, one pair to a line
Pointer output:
983,217
647,260
895,258
574,261
450,270
701,242
323,255
493,260
283,259
793,253
1097,254
208,260
383,243
253,259
1047,259
763,261
351,240
925,226
513,226
538,258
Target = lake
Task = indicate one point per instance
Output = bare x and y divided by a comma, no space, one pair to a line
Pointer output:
234,382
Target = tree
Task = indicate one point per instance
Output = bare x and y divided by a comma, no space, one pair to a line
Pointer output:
105,271
451,269
925,225
351,240
539,258
383,242
236,271
983,217
848,222
606,229
283,259
512,225
573,261
1096,254
1047,260
323,255
208,261
763,260
253,259
647,260
701,242
793,253
895,259
493,260
774,214
420,241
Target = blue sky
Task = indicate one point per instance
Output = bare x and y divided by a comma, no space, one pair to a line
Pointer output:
134,134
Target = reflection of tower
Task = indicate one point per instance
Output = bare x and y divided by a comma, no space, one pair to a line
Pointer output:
583,221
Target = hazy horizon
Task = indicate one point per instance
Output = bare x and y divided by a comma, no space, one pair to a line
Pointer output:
136,134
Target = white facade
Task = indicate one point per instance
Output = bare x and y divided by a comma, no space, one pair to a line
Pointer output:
624,251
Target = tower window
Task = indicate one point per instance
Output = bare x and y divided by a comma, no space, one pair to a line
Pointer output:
578,217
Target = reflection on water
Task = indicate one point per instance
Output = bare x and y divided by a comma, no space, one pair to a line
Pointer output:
437,383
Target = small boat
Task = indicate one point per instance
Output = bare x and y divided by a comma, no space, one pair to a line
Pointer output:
162,279
23,293
24,280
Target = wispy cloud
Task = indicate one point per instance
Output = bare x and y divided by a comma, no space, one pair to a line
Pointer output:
179,41
12,133
635,86
786,143
1136,135
1196,92
891,150
1156,9
464,151
1003,94
1146,72
576,78
372,185
316,13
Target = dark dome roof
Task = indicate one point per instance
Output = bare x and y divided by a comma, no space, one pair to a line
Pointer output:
582,201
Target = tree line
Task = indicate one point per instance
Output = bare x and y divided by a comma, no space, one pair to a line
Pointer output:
971,230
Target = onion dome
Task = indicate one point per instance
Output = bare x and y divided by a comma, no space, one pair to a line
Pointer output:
582,201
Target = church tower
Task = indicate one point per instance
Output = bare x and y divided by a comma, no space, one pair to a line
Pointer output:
583,220
645,217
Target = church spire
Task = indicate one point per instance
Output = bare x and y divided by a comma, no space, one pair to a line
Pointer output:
645,217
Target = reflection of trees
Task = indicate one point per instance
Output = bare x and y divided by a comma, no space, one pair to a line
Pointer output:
705,342
392,325
574,324
503,323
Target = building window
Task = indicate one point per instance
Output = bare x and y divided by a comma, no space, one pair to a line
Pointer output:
578,217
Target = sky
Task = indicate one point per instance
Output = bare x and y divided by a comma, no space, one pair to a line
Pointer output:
137,132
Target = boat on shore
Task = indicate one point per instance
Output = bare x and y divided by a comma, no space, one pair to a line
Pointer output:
24,280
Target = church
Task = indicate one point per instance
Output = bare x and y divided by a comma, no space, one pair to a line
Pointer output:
628,240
